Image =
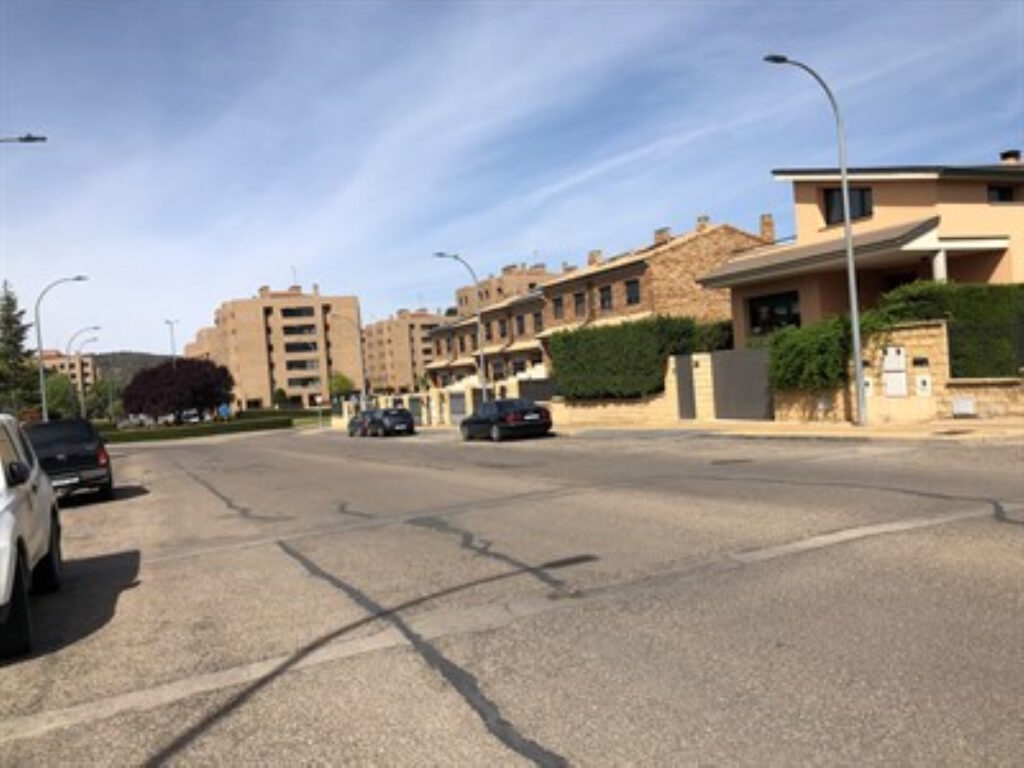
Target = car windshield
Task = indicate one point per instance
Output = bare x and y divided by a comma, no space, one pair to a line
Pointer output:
510,406
56,432
396,412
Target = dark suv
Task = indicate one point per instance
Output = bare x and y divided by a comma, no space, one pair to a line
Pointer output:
73,455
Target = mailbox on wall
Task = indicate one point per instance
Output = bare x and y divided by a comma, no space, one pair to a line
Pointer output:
894,371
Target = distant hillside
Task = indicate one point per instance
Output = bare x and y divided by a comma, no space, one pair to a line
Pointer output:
121,366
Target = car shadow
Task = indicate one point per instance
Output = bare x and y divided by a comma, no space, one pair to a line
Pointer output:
85,602
84,498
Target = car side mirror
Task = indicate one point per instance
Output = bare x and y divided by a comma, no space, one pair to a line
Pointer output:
17,473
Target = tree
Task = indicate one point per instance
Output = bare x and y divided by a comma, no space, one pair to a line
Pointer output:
281,398
61,396
104,399
18,384
341,385
177,386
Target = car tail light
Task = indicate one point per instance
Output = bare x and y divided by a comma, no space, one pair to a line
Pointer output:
101,456
545,414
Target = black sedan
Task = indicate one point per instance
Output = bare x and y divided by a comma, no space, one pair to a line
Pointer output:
390,421
72,453
499,419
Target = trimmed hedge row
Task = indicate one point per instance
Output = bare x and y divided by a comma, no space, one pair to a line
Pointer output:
628,360
196,430
986,334
276,413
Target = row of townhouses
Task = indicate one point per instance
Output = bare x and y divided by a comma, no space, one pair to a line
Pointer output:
960,223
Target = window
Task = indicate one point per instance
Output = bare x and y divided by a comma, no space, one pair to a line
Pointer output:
520,325
488,332
300,346
860,204
462,344
538,322
448,345
772,312
304,382
299,330
632,292
557,308
579,304
297,312
302,365
503,328
606,297
1000,193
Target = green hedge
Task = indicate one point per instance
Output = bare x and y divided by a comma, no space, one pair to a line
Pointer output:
986,323
628,360
276,413
196,430
986,334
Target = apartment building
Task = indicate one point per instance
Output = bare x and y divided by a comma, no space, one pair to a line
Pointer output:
961,223
513,280
81,369
284,340
398,350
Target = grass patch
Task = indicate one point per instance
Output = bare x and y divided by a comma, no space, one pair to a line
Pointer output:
196,430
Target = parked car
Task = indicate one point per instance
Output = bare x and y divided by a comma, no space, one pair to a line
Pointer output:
499,419
358,424
30,555
72,453
191,416
390,421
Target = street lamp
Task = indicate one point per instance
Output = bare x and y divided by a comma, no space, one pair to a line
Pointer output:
39,337
174,349
482,371
81,378
27,138
67,352
851,269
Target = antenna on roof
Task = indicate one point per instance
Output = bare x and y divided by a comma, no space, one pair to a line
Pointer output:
295,276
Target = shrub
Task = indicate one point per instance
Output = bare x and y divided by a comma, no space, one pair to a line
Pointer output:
195,430
810,359
986,322
628,360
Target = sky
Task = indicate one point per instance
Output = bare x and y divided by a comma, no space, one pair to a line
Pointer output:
198,150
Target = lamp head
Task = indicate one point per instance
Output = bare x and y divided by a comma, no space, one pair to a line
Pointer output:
29,138
776,58
441,255
80,278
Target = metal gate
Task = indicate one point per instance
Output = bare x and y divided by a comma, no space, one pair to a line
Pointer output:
684,385
457,405
741,384
416,409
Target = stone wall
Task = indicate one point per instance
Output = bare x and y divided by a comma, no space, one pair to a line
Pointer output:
992,398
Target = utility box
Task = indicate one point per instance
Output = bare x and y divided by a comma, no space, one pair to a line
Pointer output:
894,371
923,385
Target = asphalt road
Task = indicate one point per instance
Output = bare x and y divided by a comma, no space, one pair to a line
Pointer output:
596,600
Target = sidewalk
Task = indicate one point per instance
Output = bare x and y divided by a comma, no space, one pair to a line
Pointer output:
943,430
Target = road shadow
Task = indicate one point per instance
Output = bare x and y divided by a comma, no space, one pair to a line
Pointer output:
86,601
85,498
376,613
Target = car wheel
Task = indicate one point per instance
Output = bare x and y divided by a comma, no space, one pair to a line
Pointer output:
16,632
496,433
46,574
464,431
107,490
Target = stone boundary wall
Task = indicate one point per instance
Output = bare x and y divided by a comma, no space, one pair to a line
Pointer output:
655,410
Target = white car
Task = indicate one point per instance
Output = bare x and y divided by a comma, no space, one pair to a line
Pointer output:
30,556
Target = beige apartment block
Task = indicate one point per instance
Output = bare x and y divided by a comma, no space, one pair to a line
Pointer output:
956,223
513,280
398,350
287,340
81,369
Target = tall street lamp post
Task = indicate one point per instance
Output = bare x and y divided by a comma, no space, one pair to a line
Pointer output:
39,338
67,353
482,371
81,382
851,268
174,349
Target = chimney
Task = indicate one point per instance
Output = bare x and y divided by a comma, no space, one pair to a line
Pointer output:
264,291
662,235
1010,157
767,228
316,289
567,267
703,222
594,257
